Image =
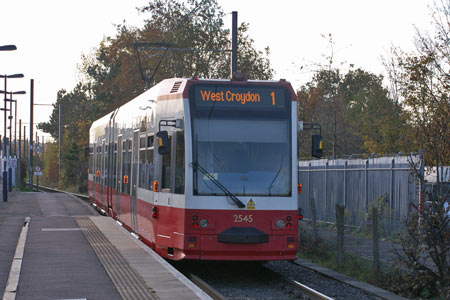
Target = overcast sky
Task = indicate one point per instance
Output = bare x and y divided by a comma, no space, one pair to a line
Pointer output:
52,35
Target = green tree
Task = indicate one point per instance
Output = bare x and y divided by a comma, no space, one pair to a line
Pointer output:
51,170
320,102
110,75
74,169
374,117
422,79
355,112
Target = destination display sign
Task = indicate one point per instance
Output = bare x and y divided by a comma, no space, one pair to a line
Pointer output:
240,97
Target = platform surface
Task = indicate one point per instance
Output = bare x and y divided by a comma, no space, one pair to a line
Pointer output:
71,252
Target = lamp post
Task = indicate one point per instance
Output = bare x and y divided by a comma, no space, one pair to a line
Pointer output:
10,117
5,173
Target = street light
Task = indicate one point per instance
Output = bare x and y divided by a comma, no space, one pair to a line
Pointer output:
5,173
8,48
5,93
11,117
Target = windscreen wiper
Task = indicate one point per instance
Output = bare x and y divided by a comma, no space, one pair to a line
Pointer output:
227,192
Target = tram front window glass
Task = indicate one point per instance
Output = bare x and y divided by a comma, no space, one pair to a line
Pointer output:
249,157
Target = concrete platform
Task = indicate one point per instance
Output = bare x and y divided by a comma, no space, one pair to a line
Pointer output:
70,252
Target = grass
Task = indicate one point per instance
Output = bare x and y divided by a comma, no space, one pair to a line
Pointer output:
326,256
354,266
25,188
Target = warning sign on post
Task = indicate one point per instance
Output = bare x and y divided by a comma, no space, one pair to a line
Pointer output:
38,149
38,171
11,163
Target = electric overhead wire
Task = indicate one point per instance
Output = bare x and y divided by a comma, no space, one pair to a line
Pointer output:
178,24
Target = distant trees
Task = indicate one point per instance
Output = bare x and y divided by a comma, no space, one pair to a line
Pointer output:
110,75
356,113
422,81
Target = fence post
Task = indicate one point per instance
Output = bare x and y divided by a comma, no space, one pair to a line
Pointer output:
309,180
326,192
376,249
391,196
340,234
345,183
366,187
314,219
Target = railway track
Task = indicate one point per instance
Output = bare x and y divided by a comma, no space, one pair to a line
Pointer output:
304,291
52,190
245,280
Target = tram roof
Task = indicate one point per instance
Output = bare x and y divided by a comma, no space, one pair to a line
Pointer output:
170,88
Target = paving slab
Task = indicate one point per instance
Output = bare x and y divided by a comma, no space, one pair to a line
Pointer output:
62,259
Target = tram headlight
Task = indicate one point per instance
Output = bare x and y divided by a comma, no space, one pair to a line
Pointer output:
203,223
281,223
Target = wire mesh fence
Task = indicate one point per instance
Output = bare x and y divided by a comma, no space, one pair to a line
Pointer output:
388,183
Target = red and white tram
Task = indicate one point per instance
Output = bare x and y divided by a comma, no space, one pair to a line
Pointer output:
202,169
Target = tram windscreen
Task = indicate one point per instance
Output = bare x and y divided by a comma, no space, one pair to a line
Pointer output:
247,152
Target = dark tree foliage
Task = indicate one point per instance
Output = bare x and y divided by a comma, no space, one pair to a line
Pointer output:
111,77
422,81
355,112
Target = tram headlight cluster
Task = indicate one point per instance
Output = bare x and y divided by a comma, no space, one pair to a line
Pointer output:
283,223
203,223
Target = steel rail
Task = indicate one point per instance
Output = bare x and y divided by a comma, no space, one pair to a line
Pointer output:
313,294
49,189
303,289
212,292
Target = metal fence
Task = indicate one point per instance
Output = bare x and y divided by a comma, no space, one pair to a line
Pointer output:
359,184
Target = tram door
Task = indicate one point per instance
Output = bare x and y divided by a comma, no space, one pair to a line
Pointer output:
134,164
103,173
109,155
94,169
119,174
109,175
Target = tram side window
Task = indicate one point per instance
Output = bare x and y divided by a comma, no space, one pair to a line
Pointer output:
146,163
105,164
142,163
165,178
114,171
98,159
179,163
